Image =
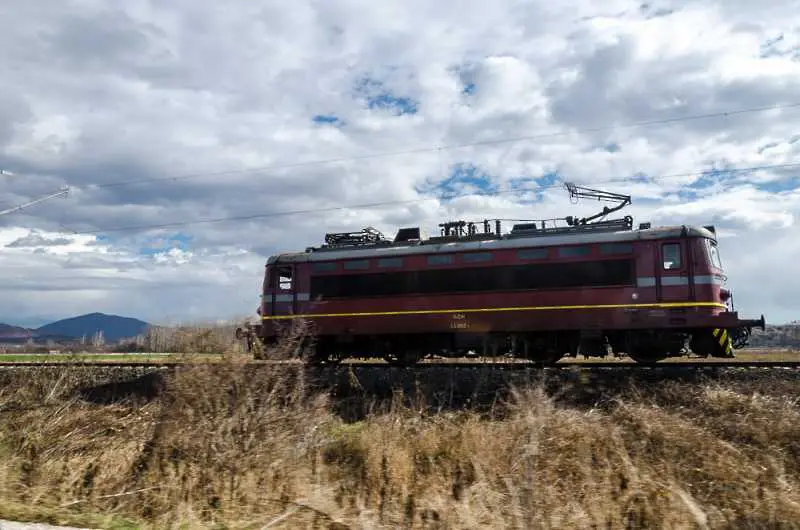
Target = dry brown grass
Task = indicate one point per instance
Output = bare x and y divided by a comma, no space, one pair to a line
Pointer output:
198,337
227,446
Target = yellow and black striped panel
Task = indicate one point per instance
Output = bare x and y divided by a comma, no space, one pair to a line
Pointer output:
724,340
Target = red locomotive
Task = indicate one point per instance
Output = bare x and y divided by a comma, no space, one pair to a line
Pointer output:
538,292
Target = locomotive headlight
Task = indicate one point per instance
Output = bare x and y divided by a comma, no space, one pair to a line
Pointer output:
635,296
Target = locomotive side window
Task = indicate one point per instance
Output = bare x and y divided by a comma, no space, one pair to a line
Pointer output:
323,267
671,254
438,259
387,263
532,253
356,265
476,257
601,273
571,252
616,248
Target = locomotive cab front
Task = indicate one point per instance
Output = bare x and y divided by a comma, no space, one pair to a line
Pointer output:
710,281
279,289
278,297
717,272
709,274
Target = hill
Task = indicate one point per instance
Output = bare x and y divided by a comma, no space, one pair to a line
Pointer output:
114,327
15,332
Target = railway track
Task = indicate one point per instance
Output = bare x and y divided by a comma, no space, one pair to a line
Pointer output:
356,387
507,366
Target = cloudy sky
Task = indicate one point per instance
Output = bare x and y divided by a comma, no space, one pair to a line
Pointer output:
168,113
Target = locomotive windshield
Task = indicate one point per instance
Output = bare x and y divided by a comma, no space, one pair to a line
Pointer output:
713,254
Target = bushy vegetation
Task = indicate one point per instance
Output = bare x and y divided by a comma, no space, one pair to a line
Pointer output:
230,446
192,338
786,336
188,338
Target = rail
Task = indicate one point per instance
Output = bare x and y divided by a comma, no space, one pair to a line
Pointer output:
623,365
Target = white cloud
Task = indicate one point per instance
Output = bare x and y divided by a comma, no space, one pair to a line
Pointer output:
102,94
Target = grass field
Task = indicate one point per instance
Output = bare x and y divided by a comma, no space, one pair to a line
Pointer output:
103,357
224,446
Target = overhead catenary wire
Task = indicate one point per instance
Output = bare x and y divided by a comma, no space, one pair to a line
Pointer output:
439,148
284,213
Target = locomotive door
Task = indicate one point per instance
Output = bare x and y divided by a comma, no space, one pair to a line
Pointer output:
284,297
672,272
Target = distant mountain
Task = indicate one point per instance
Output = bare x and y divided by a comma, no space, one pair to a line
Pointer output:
113,327
15,332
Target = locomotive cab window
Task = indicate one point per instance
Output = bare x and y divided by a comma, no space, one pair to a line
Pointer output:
671,256
283,278
713,254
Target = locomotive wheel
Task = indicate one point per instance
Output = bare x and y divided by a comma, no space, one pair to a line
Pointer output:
648,356
545,356
542,350
652,347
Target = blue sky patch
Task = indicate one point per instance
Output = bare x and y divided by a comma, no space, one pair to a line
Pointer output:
733,176
327,119
464,178
533,197
466,76
711,177
536,185
777,186
612,147
548,179
378,97
688,194
157,245
397,105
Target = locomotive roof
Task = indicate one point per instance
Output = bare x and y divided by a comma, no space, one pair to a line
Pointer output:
503,242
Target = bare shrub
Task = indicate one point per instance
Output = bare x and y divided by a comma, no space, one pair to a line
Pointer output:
194,338
295,340
228,439
224,439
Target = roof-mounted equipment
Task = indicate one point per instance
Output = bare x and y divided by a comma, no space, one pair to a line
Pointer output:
455,230
577,192
367,236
